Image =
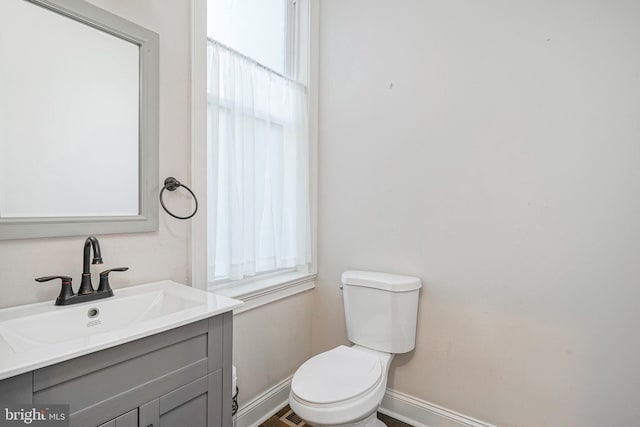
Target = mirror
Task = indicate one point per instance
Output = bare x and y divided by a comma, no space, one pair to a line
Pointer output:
78,121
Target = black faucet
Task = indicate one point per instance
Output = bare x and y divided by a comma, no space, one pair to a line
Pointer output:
85,285
86,291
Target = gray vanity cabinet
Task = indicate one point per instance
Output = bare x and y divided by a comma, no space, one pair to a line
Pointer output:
177,378
195,404
198,404
130,419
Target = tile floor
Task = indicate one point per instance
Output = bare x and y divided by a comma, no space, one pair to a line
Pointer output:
275,421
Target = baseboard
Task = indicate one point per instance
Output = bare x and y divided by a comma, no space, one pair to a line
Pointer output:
398,405
420,413
262,407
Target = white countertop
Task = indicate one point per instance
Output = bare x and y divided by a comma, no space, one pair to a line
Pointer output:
37,335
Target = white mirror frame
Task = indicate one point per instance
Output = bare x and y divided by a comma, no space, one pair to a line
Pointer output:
147,218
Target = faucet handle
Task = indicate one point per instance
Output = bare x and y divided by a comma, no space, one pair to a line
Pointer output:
106,272
66,291
104,279
66,280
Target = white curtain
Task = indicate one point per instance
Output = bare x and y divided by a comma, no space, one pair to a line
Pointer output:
258,200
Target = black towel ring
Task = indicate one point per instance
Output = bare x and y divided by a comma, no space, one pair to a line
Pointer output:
173,184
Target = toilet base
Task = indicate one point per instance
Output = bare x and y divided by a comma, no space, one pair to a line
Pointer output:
371,421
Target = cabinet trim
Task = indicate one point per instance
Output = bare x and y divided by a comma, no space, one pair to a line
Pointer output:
70,369
183,394
111,407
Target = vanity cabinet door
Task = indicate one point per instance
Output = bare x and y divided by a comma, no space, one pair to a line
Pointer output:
150,414
17,389
197,404
130,419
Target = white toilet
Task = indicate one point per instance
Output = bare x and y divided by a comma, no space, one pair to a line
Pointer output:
344,386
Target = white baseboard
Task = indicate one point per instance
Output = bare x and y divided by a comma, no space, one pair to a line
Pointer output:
262,407
420,413
400,406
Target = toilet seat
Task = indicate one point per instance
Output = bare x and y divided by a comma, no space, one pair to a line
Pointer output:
341,386
337,376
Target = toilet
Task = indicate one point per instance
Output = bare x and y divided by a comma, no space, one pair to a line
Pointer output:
345,385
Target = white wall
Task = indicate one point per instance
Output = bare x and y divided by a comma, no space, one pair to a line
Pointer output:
490,148
270,343
150,256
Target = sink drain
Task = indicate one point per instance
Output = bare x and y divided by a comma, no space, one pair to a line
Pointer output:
93,313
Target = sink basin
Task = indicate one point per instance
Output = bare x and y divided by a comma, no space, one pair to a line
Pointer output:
44,331
93,319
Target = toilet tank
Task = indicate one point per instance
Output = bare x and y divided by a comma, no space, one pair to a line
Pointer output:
381,310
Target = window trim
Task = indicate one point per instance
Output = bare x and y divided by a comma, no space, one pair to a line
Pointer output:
226,282
197,276
291,40
258,291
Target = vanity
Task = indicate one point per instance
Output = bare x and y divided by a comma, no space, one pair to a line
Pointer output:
152,355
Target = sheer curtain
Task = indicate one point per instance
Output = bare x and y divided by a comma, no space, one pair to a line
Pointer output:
258,200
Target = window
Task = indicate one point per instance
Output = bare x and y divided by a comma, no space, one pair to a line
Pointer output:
257,161
255,28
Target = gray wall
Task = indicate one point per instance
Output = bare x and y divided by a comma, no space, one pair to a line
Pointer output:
490,148
150,256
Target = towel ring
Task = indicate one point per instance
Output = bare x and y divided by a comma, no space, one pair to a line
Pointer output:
173,184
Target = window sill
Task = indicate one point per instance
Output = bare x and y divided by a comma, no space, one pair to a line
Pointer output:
260,291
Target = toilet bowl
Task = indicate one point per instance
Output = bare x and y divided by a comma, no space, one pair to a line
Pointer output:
341,387
345,385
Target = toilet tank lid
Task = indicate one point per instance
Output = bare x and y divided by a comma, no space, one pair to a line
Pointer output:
384,281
